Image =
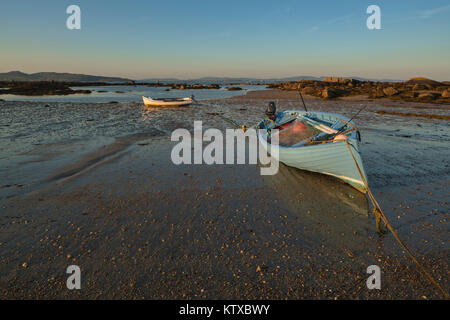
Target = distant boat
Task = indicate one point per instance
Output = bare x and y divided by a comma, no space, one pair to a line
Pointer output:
318,142
167,102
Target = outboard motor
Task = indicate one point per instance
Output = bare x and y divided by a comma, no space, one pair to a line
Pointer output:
271,111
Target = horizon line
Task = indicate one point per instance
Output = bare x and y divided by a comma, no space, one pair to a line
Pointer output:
252,78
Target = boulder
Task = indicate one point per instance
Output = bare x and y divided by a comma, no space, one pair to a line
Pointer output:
418,87
305,82
410,94
309,90
340,80
331,79
427,95
181,86
377,93
446,94
390,91
83,91
330,93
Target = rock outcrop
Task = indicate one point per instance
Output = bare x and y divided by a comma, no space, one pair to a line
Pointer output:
416,89
390,91
424,82
346,81
331,93
309,90
446,94
428,95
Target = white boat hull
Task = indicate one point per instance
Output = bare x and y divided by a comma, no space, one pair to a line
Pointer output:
149,102
332,158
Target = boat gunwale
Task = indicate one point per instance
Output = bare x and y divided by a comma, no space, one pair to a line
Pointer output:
169,99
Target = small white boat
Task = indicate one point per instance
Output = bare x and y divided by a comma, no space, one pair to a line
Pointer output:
321,142
167,102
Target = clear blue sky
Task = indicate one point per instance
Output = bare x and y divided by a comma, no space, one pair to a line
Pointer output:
186,39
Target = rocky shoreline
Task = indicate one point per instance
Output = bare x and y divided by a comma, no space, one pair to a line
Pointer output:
415,89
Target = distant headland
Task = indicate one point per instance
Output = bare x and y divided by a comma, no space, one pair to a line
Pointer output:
74,77
417,89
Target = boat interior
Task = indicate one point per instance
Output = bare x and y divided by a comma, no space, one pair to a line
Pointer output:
170,99
300,128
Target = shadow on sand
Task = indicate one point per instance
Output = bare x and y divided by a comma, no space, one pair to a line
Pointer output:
331,210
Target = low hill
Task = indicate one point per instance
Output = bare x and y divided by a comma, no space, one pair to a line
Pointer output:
423,81
54,76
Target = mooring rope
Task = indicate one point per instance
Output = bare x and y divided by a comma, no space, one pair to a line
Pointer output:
381,216
231,121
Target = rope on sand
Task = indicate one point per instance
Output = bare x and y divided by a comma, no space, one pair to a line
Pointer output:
379,214
230,121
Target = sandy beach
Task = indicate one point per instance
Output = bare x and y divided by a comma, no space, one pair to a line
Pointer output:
100,191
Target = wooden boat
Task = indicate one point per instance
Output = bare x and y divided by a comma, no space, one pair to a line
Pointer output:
167,102
321,142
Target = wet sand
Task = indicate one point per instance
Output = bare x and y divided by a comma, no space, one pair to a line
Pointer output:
105,195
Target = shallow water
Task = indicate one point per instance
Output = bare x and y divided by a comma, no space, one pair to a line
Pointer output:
135,93
35,138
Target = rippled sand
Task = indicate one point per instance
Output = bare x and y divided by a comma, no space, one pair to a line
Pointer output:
93,185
